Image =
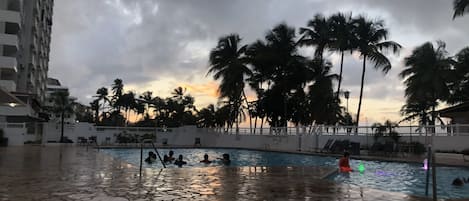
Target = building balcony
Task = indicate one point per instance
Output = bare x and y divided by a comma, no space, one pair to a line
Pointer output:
8,85
9,39
11,16
8,63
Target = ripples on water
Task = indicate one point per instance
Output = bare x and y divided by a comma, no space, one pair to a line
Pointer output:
407,178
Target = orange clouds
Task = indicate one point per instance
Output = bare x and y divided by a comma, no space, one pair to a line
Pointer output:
205,89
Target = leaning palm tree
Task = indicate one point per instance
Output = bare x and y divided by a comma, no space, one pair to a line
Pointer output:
426,78
63,105
370,43
228,62
343,39
117,89
460,7
318,34
101,95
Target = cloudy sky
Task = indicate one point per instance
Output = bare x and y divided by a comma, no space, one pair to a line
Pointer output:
158,45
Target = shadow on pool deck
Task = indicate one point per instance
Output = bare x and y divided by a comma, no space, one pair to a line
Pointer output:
72,173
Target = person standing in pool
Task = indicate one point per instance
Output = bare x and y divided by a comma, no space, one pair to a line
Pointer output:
458,182
344,163
179,162
170,156
151,157
226,159
206,161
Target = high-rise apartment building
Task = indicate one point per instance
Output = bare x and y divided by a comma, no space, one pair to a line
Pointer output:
25,35
10,25
33,57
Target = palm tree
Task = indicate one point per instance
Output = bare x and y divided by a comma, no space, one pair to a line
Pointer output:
178,93
317,33
228,62
460,82
62,106
426,77
323,104
280,65
117,89
95,107
370,43
460,7
206,117
101,94
147,99
128,101
343,39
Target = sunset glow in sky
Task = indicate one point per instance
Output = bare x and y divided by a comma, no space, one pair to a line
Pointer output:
160,45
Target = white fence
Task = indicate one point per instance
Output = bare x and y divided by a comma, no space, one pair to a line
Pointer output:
452,137
438,130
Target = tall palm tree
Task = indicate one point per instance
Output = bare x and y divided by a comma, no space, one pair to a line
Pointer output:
101,95
318,34
460,7
323,105
147,99
371,36
128,102
95,107
460,79
343,39
178,93
117,89
206,117
426,77
62,106
287,72
228,62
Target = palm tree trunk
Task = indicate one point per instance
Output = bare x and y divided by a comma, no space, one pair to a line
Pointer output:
340,74
249,111
262,124
361,89
62,126
255,124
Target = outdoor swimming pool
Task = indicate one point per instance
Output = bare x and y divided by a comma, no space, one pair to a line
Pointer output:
406,178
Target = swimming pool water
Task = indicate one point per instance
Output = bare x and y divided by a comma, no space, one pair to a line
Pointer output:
406,178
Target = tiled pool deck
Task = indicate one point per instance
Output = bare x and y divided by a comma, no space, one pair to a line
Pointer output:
73,173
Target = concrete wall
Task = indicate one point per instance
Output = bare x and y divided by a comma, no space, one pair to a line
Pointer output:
185,136
16,133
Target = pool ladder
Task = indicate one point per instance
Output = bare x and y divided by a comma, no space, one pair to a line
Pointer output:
156,150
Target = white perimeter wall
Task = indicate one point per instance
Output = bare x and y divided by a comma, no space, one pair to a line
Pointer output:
185,136
16,133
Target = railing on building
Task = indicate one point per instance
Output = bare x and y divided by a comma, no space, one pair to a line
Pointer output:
438,130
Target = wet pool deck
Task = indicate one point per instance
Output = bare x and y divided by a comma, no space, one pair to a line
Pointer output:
72,173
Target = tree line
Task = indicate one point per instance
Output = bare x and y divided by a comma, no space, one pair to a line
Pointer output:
289,86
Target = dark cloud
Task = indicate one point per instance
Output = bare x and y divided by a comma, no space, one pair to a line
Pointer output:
140,41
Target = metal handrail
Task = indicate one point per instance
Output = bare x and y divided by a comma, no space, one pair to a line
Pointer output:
141,153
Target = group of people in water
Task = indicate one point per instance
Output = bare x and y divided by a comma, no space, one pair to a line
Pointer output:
344,166
168,159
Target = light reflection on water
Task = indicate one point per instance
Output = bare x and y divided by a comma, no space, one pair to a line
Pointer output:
406,178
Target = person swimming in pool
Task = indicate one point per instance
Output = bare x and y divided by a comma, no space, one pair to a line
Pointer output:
179,162
344,163
206,161
170,156
226,159
151,157
458,182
